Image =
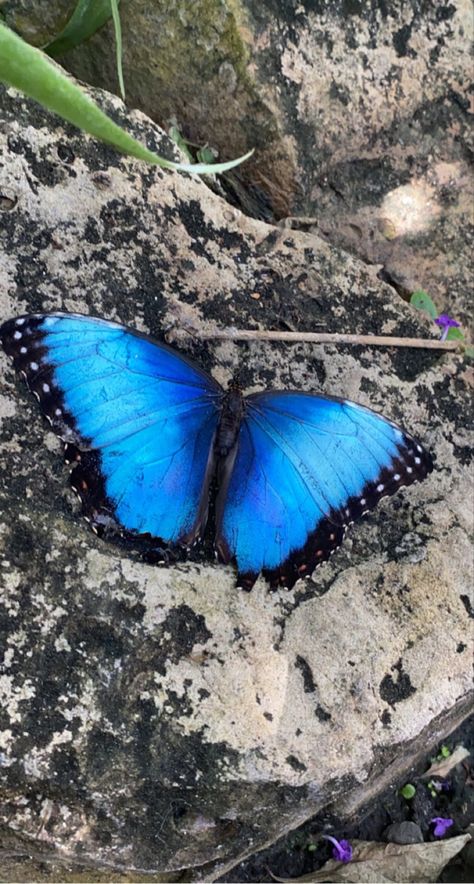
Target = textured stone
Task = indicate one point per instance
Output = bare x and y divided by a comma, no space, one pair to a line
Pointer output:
404,833
356,110
37,23
346,104
158,719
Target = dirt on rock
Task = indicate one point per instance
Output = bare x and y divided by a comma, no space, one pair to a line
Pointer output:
385,819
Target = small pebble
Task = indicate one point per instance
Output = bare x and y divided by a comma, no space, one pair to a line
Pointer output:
403,833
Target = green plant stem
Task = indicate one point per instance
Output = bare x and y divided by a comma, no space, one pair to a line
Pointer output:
118,45
87,18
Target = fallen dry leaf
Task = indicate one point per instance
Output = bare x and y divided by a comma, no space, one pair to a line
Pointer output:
442,768
377,863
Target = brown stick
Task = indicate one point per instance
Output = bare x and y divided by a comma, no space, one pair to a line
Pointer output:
231,334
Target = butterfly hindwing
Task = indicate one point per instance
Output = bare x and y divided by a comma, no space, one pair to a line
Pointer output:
138,418
306,467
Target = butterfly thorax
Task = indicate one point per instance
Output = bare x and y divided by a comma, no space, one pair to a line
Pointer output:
231,416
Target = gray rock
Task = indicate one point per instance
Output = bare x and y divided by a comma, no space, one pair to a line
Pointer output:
37,24
159,719
403,833
359,114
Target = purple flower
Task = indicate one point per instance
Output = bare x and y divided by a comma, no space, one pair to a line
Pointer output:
445,323
441,785
441,825
341,851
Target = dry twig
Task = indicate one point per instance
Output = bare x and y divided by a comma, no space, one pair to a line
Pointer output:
234,334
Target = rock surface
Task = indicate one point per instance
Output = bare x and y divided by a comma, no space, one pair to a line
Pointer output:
37,23
404,833
160,719
360,114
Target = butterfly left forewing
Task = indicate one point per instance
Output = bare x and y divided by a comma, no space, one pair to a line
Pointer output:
138,420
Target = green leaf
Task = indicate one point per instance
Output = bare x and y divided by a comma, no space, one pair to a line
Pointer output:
31,71
118,45
205,155
422,301
408,791
179,139
455,334
445,752
87,18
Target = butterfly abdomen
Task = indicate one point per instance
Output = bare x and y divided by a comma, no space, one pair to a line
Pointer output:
231,417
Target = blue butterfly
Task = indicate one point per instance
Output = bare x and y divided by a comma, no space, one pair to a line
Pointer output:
151,437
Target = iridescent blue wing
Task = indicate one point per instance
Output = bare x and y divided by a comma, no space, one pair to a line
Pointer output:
306,467
138,418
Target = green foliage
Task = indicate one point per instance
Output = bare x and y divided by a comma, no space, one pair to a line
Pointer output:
408,791
444,752
422,301
118,45
30,70
203,154
455,334
181,141
87,18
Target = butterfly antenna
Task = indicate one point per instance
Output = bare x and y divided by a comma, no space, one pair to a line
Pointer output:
201,341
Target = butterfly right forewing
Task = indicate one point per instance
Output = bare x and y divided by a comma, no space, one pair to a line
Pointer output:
306,467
